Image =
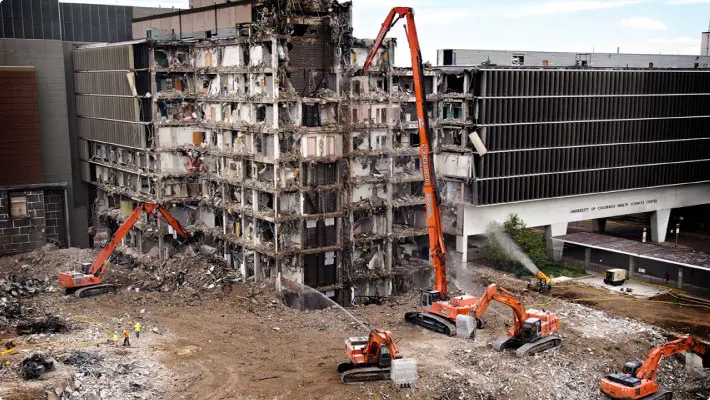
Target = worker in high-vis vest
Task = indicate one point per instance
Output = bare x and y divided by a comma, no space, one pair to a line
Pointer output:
137,327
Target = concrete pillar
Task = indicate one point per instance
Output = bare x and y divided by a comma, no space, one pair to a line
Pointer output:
587,257
599,225
462,247
680,277
257,267
632,266
659,225
555,247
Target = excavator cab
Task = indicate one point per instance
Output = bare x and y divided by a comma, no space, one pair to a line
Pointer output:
631,367
532,329
429,297
385,360
86,268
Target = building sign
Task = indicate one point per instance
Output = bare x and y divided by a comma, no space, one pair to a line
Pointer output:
603,207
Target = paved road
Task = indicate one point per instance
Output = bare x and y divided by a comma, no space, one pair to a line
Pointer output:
655,270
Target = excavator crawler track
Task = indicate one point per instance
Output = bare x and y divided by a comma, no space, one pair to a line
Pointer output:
526,349
431,322
350,374
546,343
659,395
95,290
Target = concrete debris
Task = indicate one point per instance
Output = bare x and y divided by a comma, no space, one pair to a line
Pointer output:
47,324
35,365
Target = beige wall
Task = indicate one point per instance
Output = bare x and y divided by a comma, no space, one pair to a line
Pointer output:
196,22
205,3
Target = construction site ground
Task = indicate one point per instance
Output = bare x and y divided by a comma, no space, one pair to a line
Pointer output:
237,340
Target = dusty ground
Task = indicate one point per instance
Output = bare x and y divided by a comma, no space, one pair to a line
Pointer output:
238,341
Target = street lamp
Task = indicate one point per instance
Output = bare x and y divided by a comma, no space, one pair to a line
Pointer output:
677,229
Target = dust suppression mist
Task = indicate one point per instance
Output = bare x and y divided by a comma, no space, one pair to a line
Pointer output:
500,236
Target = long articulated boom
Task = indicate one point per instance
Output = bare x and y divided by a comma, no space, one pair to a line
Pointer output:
98,267
437,248
638,379
493,292
88,282
649,368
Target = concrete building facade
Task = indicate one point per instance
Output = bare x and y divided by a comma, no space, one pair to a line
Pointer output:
519,58
557,145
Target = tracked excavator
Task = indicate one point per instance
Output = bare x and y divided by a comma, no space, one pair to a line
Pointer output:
532,330
370,357
437,311
637,380
89,281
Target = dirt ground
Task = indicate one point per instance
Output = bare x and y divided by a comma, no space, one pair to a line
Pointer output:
240,341
665,311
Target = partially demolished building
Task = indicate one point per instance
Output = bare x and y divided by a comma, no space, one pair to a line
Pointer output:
264,141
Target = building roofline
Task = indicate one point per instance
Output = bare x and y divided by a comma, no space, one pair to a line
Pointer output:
186,11
585,53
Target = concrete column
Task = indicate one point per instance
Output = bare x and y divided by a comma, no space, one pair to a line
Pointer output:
555,247
587,257
599,225
680,277
462,247
659,225
632,266
257,267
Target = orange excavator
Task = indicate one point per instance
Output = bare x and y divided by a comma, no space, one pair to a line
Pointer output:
636,381
89,281
438,312
532,330
370,357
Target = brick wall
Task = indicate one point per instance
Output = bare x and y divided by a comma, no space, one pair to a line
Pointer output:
20,148
54,217
309,59
44,221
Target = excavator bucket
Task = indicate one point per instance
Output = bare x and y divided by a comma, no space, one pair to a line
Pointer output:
465,326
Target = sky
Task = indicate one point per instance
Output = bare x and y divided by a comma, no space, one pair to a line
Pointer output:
633,26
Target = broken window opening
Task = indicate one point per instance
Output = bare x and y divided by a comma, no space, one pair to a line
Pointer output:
311,115
455,84
260,113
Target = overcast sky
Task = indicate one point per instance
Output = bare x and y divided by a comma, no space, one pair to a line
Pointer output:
635,26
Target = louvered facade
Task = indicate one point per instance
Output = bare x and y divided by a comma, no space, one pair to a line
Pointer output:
566,132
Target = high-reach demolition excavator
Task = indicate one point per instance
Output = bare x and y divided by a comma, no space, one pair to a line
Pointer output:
370,357
532,330
438,312
89,281
637,380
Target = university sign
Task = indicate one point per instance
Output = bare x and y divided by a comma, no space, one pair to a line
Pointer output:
603,207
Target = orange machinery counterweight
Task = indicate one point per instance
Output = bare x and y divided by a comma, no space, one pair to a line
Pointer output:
438,312
89,281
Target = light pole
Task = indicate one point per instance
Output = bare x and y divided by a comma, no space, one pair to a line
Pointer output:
677,229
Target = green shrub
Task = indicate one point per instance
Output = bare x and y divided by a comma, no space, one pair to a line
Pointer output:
532,243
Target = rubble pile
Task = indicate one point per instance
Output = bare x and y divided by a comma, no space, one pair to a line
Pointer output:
45,263
13,290
35,365
47,324
183,272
